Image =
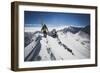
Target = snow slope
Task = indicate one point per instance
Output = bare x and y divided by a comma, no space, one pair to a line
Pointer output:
73,42
66,46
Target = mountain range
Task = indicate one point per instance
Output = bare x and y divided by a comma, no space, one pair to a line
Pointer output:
71,43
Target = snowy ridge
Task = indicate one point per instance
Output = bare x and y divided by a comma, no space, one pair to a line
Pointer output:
66,46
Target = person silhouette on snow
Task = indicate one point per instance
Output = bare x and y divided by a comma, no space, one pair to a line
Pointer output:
44,30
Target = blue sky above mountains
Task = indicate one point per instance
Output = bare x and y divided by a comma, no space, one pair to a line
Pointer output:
34,18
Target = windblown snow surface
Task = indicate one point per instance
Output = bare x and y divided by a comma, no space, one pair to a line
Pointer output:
66,46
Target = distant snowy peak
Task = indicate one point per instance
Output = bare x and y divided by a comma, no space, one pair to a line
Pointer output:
86,29
85,32
73,29
83,35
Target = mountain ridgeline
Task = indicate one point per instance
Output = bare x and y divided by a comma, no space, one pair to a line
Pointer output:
74,29
70,42
86,29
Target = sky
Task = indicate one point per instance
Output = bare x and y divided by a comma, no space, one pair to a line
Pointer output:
34,19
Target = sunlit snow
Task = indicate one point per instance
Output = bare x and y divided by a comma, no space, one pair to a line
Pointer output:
66,46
